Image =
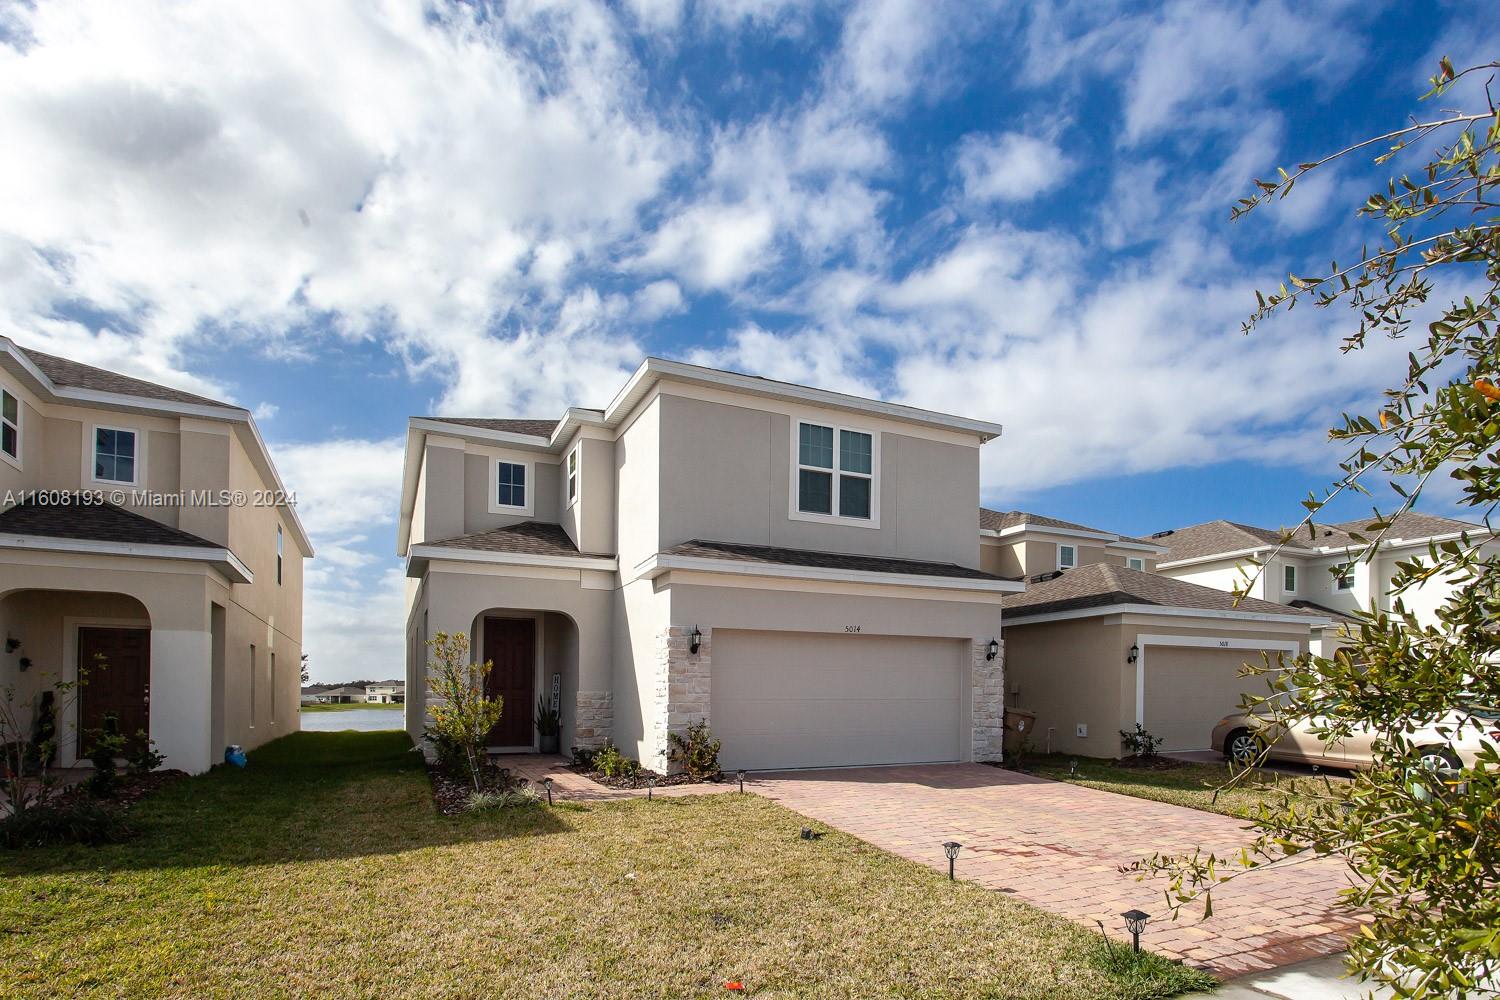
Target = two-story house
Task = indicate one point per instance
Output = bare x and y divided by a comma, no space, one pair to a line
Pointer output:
1320,570
147,538
1020,543
798,567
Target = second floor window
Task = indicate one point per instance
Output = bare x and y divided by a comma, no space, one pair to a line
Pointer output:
10,425
1136,562
114,455
278,555
1289,579
573,475
1067,556
1345,578
835,471
510,484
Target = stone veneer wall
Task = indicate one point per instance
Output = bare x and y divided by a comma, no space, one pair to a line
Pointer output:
987,678
682,688
593,718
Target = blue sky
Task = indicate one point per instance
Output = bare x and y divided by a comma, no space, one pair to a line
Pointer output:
343,214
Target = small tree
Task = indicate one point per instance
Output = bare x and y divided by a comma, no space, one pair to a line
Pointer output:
305,674
462,715
29,737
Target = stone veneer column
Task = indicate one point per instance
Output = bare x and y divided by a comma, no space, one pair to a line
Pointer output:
987,679
682,688
593,718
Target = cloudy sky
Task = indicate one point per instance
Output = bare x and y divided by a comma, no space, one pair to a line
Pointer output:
343,213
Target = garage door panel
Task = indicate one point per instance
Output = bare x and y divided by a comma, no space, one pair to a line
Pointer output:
1189,689
785,699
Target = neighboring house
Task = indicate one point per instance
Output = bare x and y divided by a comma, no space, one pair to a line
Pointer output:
349,694
1021,544
310,694
798,567
193,598
1096,649
1318,569
385,693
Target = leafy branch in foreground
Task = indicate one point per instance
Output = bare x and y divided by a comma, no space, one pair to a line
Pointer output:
1421,843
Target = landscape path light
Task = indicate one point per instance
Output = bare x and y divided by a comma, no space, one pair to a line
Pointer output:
1135,922
740,776
548,782
950,850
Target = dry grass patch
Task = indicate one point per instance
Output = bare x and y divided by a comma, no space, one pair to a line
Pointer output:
1193,785
324,870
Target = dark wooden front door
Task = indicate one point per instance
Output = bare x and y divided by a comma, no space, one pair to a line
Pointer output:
119,685
510,644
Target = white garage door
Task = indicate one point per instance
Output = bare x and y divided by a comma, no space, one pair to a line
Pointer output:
1188,689
798,699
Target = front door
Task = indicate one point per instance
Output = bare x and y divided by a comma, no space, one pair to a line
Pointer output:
117,685
510,644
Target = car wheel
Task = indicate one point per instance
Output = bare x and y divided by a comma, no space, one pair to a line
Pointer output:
1438,759
1243,747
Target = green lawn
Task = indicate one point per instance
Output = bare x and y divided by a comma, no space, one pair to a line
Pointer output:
1192,785
323,869
351,707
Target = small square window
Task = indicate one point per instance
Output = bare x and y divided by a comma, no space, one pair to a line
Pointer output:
817,446
835,472
510,489
1345,579
1289,579
1136,563
1067,556
114,455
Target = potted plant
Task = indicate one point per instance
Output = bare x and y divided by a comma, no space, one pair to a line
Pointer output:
548,727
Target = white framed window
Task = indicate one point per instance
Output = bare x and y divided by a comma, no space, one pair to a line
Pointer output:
254,687
834,474
1344,579
1289,578
271,673
10,428
1136,563
114,455
574,473
278,554
1067,556
510,487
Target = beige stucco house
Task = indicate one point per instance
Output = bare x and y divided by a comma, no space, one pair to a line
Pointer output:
1318,569
799,567
1095,647
148,525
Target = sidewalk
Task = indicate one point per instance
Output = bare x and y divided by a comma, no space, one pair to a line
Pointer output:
1318,979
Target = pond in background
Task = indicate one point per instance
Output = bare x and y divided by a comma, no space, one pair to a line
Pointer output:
365,720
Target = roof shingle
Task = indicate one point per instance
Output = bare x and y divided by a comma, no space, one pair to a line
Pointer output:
94,522
76,375
535,538
535,428
1216,537
1103,584
775,556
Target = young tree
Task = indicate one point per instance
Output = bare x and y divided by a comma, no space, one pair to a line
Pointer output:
1422,844
29,737
462,715
305,674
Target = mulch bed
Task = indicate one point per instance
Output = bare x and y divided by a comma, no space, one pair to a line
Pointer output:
451,794
129,788
639,781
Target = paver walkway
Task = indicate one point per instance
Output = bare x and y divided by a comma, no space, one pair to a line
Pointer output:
1060,846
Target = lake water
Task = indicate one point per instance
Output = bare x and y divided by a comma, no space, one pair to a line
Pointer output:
365,720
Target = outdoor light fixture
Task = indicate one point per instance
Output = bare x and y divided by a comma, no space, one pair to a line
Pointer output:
1135,652
548,782
994,649
1073,768
950,850
695,640
12,644
740,776
806,833
650,785
1135,922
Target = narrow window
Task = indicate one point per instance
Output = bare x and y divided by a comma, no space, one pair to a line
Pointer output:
1067,556
856,473
271,671
573,474
815,469
114,455
10,425
278,555
1136,563
1289,579
510,478
254,688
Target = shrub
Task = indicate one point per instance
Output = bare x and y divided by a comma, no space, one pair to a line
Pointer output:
143,757
462,714
513,798
613,764
74,820
105,745
1140,743
583,757
697,751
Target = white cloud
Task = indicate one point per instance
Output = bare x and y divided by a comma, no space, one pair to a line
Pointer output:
265,411
1010,166
658,299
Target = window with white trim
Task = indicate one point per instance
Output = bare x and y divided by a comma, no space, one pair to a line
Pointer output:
115,455
10,425
1067,556
510,484
1289,578
835,471
573,474
278,555
1344,580
1136,563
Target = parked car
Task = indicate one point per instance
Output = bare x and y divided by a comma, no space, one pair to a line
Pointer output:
1242,737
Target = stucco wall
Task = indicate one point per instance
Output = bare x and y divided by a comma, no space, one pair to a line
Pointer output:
541,486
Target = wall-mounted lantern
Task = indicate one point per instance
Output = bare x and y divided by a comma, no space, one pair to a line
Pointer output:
993,650
695,640
1135,653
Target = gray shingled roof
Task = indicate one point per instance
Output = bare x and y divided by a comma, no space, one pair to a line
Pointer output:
1102,585
75,375
997,520
1215,537
536,428
535,538
96,523
1414,524
771,555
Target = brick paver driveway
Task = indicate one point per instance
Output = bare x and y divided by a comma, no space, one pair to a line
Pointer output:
1060,846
